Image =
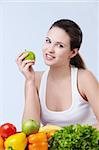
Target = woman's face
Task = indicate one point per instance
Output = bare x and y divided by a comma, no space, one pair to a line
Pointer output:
56,50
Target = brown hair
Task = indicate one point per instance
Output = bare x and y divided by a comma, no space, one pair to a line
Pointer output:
75,35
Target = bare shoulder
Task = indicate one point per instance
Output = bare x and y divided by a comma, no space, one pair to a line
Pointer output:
86,79
86,75
38,76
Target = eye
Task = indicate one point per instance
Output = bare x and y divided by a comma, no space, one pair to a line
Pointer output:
60,45
47,41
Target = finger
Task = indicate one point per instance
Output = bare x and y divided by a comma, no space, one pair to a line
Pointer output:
27,66
22,54
27,61
21,57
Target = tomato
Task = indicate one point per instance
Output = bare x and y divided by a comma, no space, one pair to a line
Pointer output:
7,129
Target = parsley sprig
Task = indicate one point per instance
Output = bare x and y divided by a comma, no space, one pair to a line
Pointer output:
75,137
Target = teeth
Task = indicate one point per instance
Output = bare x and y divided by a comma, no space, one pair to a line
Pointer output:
49,56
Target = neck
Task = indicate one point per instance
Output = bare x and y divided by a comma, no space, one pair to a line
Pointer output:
57,73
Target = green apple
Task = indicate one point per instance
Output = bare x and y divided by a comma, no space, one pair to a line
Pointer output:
30,56
30,126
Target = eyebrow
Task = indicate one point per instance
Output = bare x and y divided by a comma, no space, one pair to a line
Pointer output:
57,41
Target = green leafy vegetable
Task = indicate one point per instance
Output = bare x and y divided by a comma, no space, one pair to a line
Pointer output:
75,137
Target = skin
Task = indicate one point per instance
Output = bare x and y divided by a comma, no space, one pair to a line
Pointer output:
57,55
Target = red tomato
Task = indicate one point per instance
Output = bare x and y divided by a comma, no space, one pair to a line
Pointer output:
7,129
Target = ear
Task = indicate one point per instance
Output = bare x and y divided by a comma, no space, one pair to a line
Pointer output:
74,52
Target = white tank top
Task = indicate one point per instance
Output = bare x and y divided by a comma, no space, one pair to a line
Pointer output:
79,112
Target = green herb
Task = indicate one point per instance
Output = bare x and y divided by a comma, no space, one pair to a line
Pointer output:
75,137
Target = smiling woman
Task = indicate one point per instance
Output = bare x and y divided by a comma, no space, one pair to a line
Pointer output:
58,40
67,93
56,44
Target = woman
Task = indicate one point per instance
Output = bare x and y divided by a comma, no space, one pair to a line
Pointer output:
67,93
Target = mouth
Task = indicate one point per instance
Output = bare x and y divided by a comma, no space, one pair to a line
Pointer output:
49,56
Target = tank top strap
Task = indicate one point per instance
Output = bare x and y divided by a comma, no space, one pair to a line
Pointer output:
42,89
74,72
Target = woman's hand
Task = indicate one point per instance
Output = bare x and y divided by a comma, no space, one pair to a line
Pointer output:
25,66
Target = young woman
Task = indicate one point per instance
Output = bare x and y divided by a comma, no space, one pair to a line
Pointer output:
67,93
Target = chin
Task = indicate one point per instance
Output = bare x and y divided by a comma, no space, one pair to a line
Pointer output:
48,63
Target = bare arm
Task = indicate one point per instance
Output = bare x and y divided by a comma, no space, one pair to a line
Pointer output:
90,88
32,106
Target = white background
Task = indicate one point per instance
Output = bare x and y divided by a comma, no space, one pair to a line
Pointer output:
24,25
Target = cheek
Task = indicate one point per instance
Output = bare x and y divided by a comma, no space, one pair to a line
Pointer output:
44,51
64,56
45,46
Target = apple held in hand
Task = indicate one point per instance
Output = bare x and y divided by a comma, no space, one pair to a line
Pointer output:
30,126
30,56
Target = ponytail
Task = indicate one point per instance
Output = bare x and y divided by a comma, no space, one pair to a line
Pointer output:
78,62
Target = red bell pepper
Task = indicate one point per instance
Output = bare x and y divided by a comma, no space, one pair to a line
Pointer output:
7,129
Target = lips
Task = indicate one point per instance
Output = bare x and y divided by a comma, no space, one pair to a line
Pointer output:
49,57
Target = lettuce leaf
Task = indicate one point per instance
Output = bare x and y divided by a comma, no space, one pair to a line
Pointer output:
75,137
